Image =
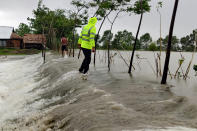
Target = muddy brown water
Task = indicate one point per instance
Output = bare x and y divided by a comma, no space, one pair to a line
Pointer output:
52,96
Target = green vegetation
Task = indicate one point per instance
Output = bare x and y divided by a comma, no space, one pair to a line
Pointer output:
195,68
10,51
145,40
152,47
124,40
62,22
23,29
57,23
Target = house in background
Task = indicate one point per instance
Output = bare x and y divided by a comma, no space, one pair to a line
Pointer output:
16,41
34,41
9,39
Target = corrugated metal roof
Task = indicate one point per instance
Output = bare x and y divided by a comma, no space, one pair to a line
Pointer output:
5,32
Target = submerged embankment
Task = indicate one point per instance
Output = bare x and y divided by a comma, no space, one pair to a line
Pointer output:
52,96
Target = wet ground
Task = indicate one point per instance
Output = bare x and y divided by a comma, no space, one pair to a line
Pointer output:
52,96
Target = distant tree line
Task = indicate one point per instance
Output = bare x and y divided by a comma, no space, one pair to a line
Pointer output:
57,23
124,40
62,22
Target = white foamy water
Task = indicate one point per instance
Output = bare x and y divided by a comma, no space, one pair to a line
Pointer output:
69,75
28,88
16,79
61,59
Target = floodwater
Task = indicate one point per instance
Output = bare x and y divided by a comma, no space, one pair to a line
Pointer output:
53,97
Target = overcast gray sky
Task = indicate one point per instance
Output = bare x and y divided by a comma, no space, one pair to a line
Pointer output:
13,12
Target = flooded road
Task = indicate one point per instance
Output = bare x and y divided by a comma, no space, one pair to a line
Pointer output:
52,96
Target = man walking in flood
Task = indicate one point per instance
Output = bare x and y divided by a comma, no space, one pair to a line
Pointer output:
87,44
64,43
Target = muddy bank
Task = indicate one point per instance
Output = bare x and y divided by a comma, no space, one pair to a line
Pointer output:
107,101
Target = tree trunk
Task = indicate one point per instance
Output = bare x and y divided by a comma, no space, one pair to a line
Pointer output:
165,70
73,42
108,47
109,40
96,40
42,42
160,48
134,47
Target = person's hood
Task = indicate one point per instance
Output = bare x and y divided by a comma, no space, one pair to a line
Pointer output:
92,21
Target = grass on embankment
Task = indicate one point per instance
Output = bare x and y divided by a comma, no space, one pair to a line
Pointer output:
9,51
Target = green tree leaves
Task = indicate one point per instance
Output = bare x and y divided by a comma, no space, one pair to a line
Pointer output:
123,40
145,40
137,7
175,41
59,22
152,47
23,29
187,42
105,38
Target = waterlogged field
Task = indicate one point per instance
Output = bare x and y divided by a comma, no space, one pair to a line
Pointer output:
52,96
145,69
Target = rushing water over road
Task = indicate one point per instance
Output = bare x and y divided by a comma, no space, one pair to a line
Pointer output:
52,96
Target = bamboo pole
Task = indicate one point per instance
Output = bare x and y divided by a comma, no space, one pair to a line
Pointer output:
44,47
156,64
42,42
108,52
160,48
73,41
